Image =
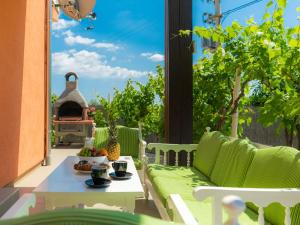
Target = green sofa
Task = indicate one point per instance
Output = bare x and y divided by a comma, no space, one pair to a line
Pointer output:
84,217
130,140
220,161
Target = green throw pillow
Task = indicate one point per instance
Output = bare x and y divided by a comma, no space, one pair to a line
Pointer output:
207,151
275,167
232,163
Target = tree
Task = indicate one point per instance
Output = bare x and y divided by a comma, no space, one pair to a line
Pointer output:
283,85
231,59
54,98
99,118
253,52
142,103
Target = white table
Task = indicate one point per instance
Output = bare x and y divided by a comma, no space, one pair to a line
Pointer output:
65,187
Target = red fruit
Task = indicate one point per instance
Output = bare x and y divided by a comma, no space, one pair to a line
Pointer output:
103,152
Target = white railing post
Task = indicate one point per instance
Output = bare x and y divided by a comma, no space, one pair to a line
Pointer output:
188,162
177,148
157,156
165,158
207,129
233,206
217,210
176,159
261,217
287,219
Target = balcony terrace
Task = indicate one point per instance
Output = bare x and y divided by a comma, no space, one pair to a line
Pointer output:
210,138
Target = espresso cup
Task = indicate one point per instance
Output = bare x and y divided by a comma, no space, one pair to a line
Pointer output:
120,168
99,174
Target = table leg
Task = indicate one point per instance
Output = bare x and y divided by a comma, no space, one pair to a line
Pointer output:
130,204
49,203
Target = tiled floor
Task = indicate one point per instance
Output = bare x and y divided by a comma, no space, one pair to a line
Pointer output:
37,175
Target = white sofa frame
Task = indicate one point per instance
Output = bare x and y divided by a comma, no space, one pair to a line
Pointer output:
261,197
165,148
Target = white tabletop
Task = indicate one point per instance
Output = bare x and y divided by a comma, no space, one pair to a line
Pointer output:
64,179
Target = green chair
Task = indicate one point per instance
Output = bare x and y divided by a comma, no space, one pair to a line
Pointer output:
130,140
84,217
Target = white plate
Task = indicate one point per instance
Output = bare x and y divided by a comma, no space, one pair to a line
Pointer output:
83,171
94,160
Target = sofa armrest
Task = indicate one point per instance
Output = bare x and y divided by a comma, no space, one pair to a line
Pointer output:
21,207
181,212
142,153
142,149
171,147
262,197
142,143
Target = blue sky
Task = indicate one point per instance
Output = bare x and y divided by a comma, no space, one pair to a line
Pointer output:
127,42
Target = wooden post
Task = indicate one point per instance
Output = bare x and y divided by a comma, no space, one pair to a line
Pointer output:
178,76
179,72
217,12
235,115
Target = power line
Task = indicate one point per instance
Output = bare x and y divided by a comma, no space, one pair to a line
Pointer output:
227,13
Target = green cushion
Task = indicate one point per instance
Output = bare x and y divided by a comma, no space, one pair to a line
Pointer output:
128,139
181,179
207,151
85,217
275,167
164,187
137,163
233,161
202,211
101,137
158,170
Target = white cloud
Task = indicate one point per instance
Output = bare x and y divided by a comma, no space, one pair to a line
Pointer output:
90,64
72,51
155,57
107,46
63,24
146,54
68,33
56,35
72,39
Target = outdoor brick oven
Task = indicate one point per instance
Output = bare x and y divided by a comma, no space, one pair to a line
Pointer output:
71,121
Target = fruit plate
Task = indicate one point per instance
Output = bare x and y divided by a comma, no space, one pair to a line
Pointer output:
83,171
94,160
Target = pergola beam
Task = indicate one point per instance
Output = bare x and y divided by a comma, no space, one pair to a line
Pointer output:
178,69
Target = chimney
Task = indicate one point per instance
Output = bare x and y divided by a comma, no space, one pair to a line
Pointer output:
71,85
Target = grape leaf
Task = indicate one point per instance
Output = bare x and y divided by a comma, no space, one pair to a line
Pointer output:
282,3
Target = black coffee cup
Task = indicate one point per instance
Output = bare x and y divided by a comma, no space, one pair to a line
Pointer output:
99,174
120,168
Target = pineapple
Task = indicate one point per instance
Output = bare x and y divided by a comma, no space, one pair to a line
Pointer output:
113,147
